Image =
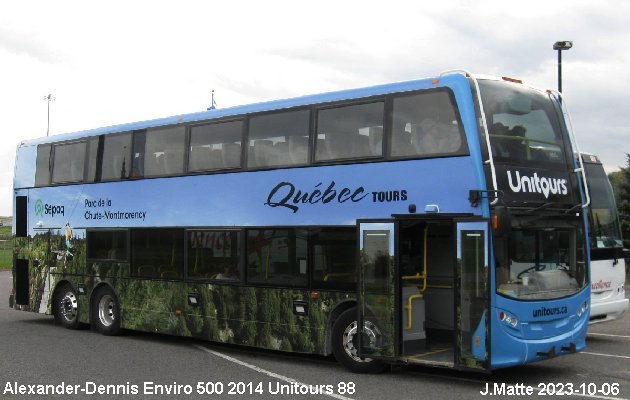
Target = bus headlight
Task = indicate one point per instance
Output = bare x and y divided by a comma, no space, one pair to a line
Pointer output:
508,319
582,309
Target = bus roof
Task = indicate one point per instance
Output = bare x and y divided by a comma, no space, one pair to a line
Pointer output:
257,107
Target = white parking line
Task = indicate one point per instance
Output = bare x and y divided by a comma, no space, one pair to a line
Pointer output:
607,334
268,373
340,397
604,355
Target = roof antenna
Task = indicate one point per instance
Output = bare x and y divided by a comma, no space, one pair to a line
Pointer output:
213,106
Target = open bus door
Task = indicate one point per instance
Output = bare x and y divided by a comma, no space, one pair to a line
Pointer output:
378,290
472,301
433,311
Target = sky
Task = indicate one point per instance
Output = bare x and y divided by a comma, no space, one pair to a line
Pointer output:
115,62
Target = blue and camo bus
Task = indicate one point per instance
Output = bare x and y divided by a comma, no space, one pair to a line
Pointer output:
608,268
438,221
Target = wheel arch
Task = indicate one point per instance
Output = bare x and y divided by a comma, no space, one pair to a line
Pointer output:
332,317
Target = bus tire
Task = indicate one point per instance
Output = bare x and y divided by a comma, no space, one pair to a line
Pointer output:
345,345
66,307
106,312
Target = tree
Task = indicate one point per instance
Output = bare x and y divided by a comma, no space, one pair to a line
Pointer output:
623,203
616,179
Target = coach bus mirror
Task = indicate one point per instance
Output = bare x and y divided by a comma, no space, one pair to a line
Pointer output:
501,221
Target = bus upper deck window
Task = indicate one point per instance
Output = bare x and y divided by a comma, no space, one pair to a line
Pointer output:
68,162
164,151
426,124
279,139
42,170
116,157
350,132
215,146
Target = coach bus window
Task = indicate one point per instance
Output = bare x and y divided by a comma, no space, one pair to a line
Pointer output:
278,139
107,245
116,157
68,162
137,162
277,257
350,132
164,151
334,258
215,146
157,253
523,124
426,125
604,229
42,169
213,255
92,158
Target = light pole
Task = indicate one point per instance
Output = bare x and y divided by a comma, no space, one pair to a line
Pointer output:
561,45
49,97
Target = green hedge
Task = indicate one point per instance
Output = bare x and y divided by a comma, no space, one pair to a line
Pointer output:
6,244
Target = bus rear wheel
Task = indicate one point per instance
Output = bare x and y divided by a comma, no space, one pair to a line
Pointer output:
106,312
67,307
345,335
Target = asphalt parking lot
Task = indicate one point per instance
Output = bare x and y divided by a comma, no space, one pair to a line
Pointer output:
34,352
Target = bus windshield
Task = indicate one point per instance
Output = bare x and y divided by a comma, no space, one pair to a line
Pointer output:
523,125
603,221
542,264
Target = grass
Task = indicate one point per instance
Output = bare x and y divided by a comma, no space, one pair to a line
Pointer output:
6,248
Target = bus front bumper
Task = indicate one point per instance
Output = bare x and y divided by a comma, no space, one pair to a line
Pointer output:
509,350
608,311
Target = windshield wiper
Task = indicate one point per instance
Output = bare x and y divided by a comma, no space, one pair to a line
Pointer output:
572,209
542,207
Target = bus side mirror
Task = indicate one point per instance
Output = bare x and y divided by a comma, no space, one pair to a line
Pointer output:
501,221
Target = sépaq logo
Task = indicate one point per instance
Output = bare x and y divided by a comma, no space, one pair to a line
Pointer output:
39,207
42,209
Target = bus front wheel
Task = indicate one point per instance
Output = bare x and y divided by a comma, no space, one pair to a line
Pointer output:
67,307
106,312
345,344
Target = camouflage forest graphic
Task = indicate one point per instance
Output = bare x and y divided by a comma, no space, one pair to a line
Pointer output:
253,316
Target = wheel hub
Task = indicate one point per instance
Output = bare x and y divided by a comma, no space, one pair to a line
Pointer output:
350,339
69,306
106,313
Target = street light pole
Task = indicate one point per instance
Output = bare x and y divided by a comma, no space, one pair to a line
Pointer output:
561,45
49,97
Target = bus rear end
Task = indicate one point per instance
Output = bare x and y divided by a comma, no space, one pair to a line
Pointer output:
540,283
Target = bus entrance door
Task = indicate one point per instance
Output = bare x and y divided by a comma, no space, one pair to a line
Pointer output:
423,290
378,290
472,294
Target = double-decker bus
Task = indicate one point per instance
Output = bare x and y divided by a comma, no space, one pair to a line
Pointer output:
608,270
436,221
